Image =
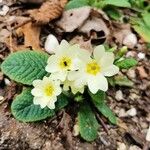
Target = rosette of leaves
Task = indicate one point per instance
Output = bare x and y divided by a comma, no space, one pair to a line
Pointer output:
26,66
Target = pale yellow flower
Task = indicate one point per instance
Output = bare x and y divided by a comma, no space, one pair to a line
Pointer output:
45,92
94,70
65,60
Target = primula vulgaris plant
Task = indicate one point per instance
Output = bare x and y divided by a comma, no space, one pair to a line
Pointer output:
54,81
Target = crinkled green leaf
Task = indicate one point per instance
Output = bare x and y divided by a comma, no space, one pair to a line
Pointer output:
24,110
126,63
76,4
123,81
25,66
98,100
87,122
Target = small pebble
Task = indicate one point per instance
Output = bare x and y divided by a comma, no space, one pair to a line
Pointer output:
132,112
121,146
122,113
134,147
131,74
131,54
148,135
4,10
7,81
141,55
76,130
130,40
1,98
119,95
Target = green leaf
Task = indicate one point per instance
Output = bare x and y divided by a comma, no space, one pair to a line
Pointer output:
88,124
118,3
113,13
24,110
146,18
123,81
126,63
98,100
99,97
25,66
143,31
76,4
107,112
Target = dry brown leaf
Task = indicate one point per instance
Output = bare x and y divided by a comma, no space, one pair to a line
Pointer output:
72,19
83,43
31,34
4,33
95,24
49,10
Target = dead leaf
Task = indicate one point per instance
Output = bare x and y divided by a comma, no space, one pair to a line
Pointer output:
4,33
74,18
85,44
31,34
95,24
48,11
124,35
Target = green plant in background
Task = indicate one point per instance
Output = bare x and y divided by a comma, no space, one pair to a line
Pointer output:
140,22
71,74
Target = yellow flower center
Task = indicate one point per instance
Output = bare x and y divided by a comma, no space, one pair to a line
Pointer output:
65,63
93,68
49,90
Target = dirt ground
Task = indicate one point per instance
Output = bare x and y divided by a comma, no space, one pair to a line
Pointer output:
57,133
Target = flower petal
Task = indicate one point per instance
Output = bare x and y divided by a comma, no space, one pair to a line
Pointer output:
37,82
99,52
110,71
36,92
52,64
64,45
97,83
51,103
107,60
62,75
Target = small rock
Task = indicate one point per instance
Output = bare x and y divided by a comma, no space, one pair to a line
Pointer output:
4,10
130,40
121,146
1,98
122,113
142,72
131,74
76,130
132,112
7,81
141,55
119,95
148,135
131,54
134,147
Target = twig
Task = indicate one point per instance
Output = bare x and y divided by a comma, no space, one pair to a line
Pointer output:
102,123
